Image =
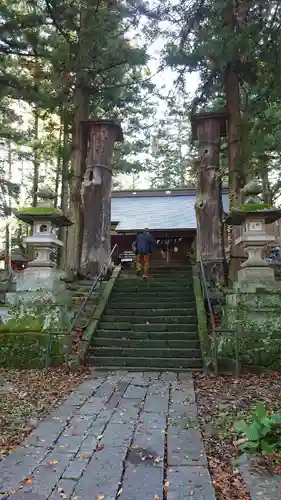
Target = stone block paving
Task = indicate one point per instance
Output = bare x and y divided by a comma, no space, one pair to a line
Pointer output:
119,435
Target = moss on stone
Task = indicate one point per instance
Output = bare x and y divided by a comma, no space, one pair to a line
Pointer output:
255,318
254,207
204,336
29,323
38,210
30,350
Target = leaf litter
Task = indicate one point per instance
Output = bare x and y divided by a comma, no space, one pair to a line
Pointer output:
221,402
26,396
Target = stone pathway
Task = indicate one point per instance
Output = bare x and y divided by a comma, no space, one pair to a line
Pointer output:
125,436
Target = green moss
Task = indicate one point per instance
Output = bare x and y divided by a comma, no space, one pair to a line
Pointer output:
204,336
30,350
256,323
29,323
38,210
254,207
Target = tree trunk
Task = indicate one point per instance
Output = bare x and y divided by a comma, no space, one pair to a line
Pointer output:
8,221
59,160
97,196
64,188
81,103
208,206
263,170
235,160
236,174
36,161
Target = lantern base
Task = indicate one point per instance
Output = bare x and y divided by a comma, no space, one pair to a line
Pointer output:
256,274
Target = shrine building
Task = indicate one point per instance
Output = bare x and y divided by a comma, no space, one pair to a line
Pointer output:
169,214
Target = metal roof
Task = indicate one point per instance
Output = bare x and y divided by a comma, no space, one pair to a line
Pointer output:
166,212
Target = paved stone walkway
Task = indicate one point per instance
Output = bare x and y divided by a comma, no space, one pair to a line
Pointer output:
125,436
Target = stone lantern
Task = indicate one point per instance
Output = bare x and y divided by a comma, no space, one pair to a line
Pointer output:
252,217
252,310
41,278
44,219
38,314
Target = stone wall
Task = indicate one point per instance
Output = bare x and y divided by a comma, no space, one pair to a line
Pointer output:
33,330
253,314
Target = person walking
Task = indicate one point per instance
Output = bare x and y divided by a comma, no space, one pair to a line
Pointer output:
143,247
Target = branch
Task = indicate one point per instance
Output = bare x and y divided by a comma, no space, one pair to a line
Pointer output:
55,22
143,10
205,91
10,52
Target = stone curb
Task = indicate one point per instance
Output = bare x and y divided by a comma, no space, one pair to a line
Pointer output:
204,337
74,361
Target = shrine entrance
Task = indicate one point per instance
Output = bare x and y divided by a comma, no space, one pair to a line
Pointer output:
172,247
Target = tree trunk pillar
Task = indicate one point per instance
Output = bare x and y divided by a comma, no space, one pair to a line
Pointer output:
207,129
96,194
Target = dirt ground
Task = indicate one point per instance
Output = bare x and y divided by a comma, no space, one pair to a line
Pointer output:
221,402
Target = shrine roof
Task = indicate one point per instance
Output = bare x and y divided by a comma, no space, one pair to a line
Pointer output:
159,209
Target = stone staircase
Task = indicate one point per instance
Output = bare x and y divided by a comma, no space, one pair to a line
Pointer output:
149,324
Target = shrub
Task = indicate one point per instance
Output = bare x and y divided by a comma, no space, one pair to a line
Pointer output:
263,434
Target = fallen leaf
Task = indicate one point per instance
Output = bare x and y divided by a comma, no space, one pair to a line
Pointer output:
34,393
52,462
166,486
100,497
27,480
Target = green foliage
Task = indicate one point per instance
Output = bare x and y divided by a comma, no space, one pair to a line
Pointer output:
211,37
49,50
263,434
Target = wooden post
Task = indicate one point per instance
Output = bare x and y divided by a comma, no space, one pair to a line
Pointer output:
207,129
96,194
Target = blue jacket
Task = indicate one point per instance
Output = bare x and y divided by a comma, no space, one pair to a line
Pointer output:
144,243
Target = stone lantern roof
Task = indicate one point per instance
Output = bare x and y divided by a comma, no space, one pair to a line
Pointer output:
253,207
43,211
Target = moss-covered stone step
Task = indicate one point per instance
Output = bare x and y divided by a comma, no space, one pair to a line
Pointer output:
141,295
131,335
158,279
142,352
156,342
152,285
150,311
157,363
147,327
149,319
134,302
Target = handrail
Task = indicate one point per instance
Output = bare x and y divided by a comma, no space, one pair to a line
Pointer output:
213,324
98,278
